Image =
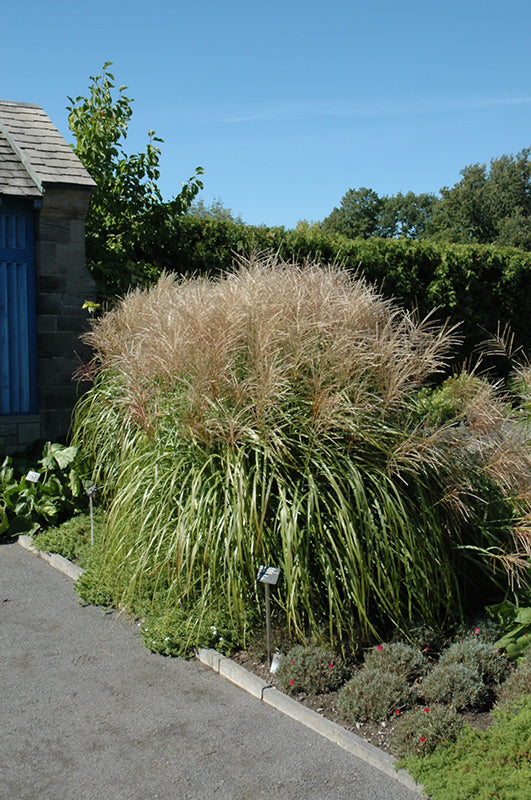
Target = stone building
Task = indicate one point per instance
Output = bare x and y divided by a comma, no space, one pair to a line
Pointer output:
44,197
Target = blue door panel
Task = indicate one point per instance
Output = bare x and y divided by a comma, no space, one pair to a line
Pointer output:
18,340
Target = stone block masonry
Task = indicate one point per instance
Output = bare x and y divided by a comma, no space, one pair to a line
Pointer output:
63,284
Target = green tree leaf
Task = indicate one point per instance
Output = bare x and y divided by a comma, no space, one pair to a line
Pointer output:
127,191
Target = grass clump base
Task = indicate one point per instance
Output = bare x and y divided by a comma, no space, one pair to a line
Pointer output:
494,764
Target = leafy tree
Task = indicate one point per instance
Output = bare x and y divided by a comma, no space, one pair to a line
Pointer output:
358,214
407,215
216,210
363,213
127,199
490,206
486,206
509,179
515,230
465,212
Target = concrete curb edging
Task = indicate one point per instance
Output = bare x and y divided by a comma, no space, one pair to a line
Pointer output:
347,740
263,691
58,562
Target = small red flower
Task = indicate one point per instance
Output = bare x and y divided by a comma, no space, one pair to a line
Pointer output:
292,660
291,682
331,666
427,710
426,649
397,712
380,647
476,631
422,739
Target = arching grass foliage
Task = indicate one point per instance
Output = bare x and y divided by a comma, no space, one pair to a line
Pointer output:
277,416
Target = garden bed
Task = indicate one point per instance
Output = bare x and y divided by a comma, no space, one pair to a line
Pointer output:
378,734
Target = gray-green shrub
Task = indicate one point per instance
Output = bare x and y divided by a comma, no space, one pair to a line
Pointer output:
397,657
421,730
516,684
456,685
311,669
479,655
373,695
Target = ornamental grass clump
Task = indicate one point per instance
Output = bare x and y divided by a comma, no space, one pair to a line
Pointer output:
272,417
311,669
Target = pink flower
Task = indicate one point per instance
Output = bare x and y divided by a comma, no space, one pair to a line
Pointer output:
422,739
397,712
291,682
476,631
292,660
380,647
426,649
331,666
427,710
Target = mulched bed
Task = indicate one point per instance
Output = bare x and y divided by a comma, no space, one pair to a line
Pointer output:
377,733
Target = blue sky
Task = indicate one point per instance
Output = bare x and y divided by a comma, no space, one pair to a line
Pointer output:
289,104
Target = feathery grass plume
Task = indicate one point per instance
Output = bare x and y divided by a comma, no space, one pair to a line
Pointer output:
273,416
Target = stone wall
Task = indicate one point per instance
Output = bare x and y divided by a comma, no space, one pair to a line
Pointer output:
17,432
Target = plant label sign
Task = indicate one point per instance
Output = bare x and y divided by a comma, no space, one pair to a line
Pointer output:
32,476
268,575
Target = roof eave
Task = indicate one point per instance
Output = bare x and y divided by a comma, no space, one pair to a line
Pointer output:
25,163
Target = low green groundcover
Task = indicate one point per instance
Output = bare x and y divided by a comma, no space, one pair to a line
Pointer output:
495,763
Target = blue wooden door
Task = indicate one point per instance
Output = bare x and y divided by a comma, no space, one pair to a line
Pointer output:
18,321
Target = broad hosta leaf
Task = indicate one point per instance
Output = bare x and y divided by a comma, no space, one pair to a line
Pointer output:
56,455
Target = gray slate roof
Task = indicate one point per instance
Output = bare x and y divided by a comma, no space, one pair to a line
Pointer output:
33,153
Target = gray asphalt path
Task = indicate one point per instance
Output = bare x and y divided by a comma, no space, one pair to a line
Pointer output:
87,713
